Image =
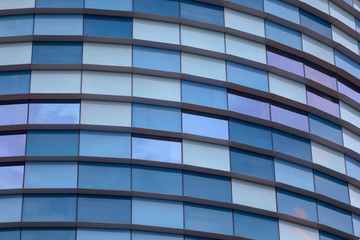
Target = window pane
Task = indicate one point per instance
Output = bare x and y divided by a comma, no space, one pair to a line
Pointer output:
10,208
205,126
351,140
331,187
125,5
107,54
326,236
14,82
160,7
325,129
104,176
151,235
156,31
156,59
157,180
283,35
15,53
103,234
13,114
106,26
294,231
156,117
287,88
10,234
55,143
255,226
347,64
256,4
105,113
208,219
202,12
324,104
244,22
58,24
54,113
16,25
317,49
354,195
207,186
157,213
12,145
253,195
206,155
282,10
356,223
249,106
349,90
203,94
316,24
105,144
107,83
104,209
294,175
289,118
156,150
60,4
11,177
328,157
17,4
292,145
335,217
321,76
352,167
247,76
245,48
285,61
57,52
296,205
350,114
49,208
51,175
47,233
252,164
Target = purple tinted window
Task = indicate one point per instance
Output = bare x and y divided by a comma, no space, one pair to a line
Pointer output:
249,106
320,77
12,145
323,104
11,177
289,118
54,113
13,114
285,63
351,93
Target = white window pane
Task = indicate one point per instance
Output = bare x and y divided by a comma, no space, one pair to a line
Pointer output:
244,22
322,5
297,232
12,4
354,196
55,81
15,53
345,40
156,31
351,140
342,15
350,114
287,88
328,157
107,54
317,49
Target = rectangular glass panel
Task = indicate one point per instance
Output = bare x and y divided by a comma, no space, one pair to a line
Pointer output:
349,91
335,217
331,187
158,236
103,234
285,62
12,145
58,24
10,234
347,64
11,177
244,22
202,12
350,114
160,7
55,81
328,157
10,208
54,113
352,167
282,10
13,114
16,25
48,233
15,53
107,54
17,4
320,76
256,4
317,49
57,52
351,140
156,31
60,4
283,35
289,118
249,106
14,82
287,88
107,26
245,48
325,129
316,24
124,5
324,104
294,231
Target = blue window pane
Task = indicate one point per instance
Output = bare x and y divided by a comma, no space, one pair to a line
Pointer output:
335,217
296,205
292,145
105,144
331,187
49,208
103,234
12,114
285,61
104,209
205,126
151,235
207,186
59,143
51,175
356,224
160,7
202,94
283,10
294,175
247,76
289,118
104,176
283,35
125,5
202,12
60,4
10,234
11,177
57,52
352,167
195,238
249,106
157,59
358,25
14,82
156,150
54,113
347,64
157,213
48,233
327,236
10,208
255,226
250,134
156,117
16,25
257,4
46,24
208,219
157,180
106,26
325,129
252,164
12,145
316,24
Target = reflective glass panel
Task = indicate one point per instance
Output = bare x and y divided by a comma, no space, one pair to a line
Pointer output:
151,235
283,35
320,77
10,208
125,5
103,234
10,234
331,187
202,12
285,61
60,4
13,114
352,167
249,106
290,118
325,129
16,25
316,24
14,82
324,104
54,113
11,177
57,24
283,10
47,233
257,4
12,145
57,52
161,7
335,217
107,26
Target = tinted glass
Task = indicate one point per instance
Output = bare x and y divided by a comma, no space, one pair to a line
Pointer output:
207,186
10,234
57,52
249,106
151,235
327,236
14,82
290,118
125,5
13,114
10,208
104,176
321,77
106,26
257,4
283,35
156,150
157,180
316,24
286,62
103,234
202,12
11,177
16,25
323,104
347,64
335,217
282,9
12,145
325,129
352,167
160,7
331,187
348,91
54,113
58,24
60,4
48,233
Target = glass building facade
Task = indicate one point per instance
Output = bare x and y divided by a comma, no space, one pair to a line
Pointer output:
179,119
